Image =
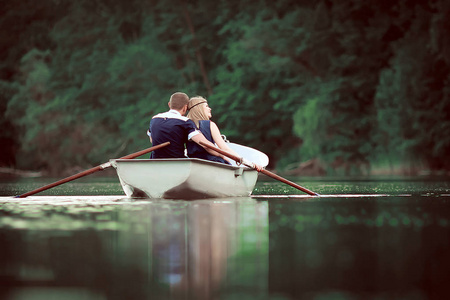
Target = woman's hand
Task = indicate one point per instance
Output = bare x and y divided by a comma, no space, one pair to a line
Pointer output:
258,167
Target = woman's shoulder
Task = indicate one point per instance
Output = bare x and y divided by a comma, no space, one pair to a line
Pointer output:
204,121
213,126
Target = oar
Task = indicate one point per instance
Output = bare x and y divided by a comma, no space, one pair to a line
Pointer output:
90,171
243,161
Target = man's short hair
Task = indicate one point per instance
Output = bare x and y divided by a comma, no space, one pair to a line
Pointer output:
178,100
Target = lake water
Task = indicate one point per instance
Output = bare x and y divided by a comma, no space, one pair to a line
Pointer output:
377,238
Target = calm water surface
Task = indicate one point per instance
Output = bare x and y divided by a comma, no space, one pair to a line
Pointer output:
364,239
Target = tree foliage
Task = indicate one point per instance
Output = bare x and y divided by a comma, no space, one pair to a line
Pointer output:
349,82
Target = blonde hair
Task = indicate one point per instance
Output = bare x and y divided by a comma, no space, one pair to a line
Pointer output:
196,111
178,100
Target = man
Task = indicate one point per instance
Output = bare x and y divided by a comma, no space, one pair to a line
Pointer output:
173,127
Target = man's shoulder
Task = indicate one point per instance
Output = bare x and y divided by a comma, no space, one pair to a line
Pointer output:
169,115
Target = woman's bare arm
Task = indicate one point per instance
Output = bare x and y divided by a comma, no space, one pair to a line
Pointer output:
217,137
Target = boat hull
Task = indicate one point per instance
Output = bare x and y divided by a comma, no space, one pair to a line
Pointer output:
183,178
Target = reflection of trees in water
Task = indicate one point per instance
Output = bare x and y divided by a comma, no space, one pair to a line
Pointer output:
54,263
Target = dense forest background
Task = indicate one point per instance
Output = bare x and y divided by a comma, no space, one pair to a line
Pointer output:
355,85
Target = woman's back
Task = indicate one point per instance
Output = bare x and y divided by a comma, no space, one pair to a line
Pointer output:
196,151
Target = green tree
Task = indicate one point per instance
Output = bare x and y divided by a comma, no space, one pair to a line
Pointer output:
25,26
413,93
344,89
348,82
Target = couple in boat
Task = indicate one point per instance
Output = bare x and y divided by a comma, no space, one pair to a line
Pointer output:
179,130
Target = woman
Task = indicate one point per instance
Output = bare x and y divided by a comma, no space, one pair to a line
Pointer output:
200,113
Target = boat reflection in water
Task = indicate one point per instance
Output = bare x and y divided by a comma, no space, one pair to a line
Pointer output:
134,249
203,248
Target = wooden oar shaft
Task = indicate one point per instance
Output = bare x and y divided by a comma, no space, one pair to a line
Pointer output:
265,172
90,171
284,180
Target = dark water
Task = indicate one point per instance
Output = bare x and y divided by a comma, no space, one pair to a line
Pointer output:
364,239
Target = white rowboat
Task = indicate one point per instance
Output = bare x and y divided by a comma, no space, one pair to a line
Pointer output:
189,178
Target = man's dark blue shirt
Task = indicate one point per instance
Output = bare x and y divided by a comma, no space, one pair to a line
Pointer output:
171,127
